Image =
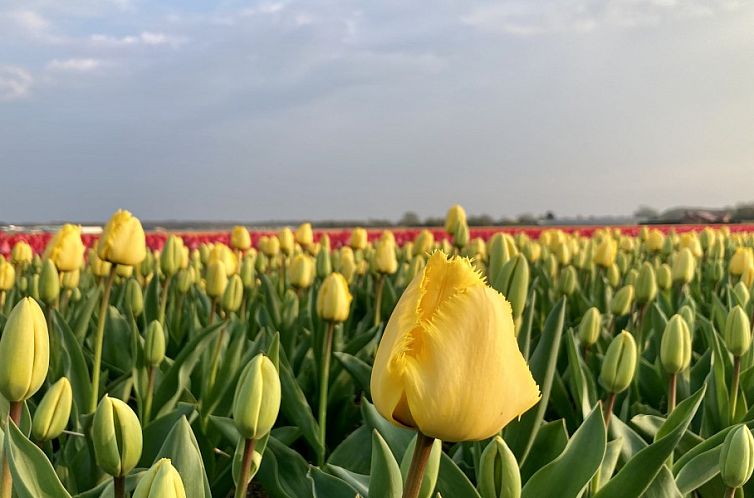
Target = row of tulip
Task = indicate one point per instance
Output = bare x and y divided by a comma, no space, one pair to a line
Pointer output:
608,363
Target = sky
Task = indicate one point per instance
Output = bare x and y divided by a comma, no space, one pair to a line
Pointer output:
317,109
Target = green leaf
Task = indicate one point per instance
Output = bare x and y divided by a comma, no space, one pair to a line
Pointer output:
566,476
639,472
329,486
283,472
182,449
698,470
295,407
33,475
397,438
385,474
451,481
84,315
154,432
359,370
550,442
74,365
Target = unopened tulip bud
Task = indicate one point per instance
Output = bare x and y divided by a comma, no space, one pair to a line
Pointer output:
124,271
499,476
737,457
513,283
619,363
70,279
455,216
248,272
22,254
324,263
65,249
134,298
146,267
117,438
240,238
621,303
7,275
261,263
605,252
285,236
737,332
304,235
334,298
675,346
646,284
423,243
563,253
567,281
613,275
49,283
185,279
24,351
53,411
743,258
233,294
461,235
122,240
684,266
33,290
171,255
664,277
384,257
688,314
257,399
154,344
301,271
590,326
162,480
217,279
741,293
718,271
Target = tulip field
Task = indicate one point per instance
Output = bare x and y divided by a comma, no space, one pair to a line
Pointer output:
456,362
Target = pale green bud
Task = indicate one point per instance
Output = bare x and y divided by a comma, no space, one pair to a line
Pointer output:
664,277
621,303
613,275
53,411
233,294
185,279
248,272
688,314
134,297
675,346
590,326
217,279
619,363
512,281
646,284
631,276
461,235
737,457
24,351
324,265
162,480
34,287
737,333
567,281
154,344
261,263
499,476
257,399
49,283
684,266
741,293
171,255
117,438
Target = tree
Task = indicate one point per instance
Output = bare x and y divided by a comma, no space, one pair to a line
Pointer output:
410,219
646,213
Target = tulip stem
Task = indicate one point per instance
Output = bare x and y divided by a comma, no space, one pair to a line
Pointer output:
243,479
211,317
418,463
609,409
324,380
729,492
215,360
99,339
379,285
671,393
149,395
734,386
14,414
164,298
119,487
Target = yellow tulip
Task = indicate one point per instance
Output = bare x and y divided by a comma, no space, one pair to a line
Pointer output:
240,238
448,363
222,253
122,240
24,351
301,272
358,238
65,249
22,253
604,253
304,235
285,236
7,275
334,298
384,257
743,258
455,217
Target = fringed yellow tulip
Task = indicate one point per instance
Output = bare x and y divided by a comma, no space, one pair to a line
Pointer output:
65,249
122,240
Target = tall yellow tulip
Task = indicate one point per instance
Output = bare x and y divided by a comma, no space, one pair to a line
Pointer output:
65,249
122,240
448,363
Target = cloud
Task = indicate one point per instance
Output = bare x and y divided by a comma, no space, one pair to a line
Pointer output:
29,20
15,83
78,65
144,38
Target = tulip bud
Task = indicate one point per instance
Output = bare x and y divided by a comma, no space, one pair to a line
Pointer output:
737,457
154,344
675,346
741,293
124,271
619,363
185,279
423,243
7,275
285,236
171,255
621,303
747,277
22,254
718,271
684,266
261,263
461,235
334,298
737,333
590,326
513,283
134,298
688,314
384,257
122,240
563,253
304,235
49,283
743,258
324,264
499,476
162,480
117,438
240,238
664,277
456,216
53,411
605,252
613,275
233,294
257,399
34,287
301,271
70,279
24,351
567,281
217,279
646,284
65,249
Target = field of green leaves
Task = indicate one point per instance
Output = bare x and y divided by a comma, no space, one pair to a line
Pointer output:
449,363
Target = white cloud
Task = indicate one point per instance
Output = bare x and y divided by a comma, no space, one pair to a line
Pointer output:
143,38
29,20
79,65
15,83
265,8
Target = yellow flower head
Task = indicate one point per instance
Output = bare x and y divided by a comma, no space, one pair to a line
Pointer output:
65,249
122,240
